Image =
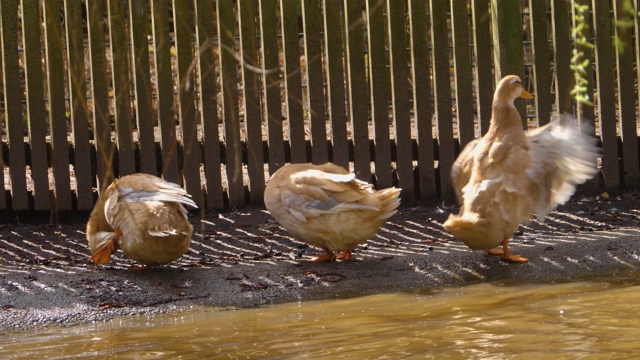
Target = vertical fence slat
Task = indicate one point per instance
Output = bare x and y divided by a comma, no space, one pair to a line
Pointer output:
13,105
378,87
484,63
209,104
358,106
3,192
35,107
120,78
442,95
400,96
229,87
606,88
271,83
626,96
541,60
422,107
312,20
463,71
637,47
57,117
586,113
139,23
561,25
78,104
507,40
335,82
99,85
183,32
164,91
251,100
292,79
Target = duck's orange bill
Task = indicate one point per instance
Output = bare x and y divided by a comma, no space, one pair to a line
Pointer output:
525,94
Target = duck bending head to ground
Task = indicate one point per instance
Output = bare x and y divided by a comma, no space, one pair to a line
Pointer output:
143,216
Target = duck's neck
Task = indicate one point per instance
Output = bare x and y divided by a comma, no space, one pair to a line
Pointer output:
504,114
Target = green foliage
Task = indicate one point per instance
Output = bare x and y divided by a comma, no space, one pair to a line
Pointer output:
624,22
579,64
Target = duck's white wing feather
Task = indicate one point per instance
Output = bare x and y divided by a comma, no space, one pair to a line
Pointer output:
144,188
562,157
313,193
154,189
462,168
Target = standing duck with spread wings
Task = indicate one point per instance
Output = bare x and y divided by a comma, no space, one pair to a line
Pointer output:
507,176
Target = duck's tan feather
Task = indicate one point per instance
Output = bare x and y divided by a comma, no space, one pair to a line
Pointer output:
148,211
326,206
507,176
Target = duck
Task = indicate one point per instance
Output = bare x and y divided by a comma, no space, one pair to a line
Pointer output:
510,176
144,216
327,207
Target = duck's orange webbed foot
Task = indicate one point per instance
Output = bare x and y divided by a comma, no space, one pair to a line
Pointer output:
515,258
505,253
327,256
345,256
496,252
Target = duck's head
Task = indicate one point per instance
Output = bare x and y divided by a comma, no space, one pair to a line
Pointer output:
508,89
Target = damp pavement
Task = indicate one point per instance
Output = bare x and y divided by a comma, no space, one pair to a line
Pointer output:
244,259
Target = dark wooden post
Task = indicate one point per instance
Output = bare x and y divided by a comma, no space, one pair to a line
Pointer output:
507,43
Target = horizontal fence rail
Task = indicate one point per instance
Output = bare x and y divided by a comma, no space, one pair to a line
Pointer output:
217,95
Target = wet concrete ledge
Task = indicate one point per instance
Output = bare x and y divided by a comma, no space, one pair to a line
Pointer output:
244,259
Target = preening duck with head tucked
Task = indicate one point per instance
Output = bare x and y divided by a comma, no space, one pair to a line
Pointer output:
507,176
327,207
144,216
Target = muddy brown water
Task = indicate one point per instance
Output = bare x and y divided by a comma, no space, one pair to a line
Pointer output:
594,319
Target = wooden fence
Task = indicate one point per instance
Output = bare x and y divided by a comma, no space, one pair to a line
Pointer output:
216,95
